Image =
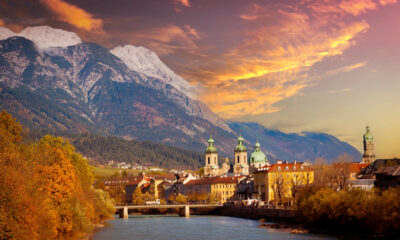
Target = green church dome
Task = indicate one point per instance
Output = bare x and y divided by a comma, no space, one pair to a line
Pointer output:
211,148
368,135
258,156
240,147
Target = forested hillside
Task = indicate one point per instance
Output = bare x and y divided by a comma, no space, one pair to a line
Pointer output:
102,149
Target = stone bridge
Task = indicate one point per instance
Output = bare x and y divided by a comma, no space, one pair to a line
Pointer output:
184,209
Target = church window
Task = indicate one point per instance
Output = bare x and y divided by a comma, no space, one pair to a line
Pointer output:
238,159
208,160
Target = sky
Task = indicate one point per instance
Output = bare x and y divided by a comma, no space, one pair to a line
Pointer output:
326,66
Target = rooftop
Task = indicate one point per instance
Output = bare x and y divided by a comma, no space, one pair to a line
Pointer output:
286,167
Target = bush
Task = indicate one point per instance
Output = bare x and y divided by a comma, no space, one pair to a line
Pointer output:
353,210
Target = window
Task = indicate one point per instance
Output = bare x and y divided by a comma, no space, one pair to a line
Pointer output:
238,159
294,167
215,160
208,160
286,167
301,167
279,168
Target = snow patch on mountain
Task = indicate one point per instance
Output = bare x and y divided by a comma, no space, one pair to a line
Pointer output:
44,36
143,60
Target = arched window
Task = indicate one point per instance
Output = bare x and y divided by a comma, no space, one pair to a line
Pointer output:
208,160
238,159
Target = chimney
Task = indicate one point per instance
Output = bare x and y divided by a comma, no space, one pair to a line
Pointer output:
279,162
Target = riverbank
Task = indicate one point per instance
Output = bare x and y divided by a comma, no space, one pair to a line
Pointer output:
286,220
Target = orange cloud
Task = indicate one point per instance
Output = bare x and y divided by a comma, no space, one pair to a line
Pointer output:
353,7
73,15
2,23
387,2
254,12
166,39
357,7
193,32
254,96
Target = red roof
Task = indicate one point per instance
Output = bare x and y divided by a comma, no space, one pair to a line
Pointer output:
356,167
122,181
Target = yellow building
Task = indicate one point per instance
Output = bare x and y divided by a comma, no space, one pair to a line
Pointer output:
224,188
281,181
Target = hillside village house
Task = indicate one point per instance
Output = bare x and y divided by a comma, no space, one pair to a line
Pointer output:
280,179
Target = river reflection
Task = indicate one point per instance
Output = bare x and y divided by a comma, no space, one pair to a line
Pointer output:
194,228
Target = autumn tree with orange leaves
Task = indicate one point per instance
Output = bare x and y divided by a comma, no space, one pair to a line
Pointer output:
46,189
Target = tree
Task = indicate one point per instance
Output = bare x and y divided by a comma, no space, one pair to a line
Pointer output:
10,127
201,172
279,188
334,176
181,199
171,198
137,196
295,183
212,198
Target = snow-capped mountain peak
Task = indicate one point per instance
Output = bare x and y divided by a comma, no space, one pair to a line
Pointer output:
44,36
143,60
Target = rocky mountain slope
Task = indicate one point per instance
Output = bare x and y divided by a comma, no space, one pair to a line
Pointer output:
69,85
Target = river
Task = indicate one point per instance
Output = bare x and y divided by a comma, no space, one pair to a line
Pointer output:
152,227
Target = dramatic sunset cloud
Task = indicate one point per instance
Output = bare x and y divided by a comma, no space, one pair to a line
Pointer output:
73,15
276,58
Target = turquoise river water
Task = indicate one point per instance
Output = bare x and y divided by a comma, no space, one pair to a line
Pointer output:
147,227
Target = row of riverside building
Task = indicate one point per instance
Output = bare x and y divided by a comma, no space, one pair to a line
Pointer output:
254,177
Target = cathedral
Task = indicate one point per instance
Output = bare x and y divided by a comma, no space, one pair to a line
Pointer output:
241,165
369,154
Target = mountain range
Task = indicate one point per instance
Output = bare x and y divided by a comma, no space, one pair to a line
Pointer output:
50,79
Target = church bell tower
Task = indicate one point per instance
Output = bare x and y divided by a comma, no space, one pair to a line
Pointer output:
369,154
241,166
211,159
